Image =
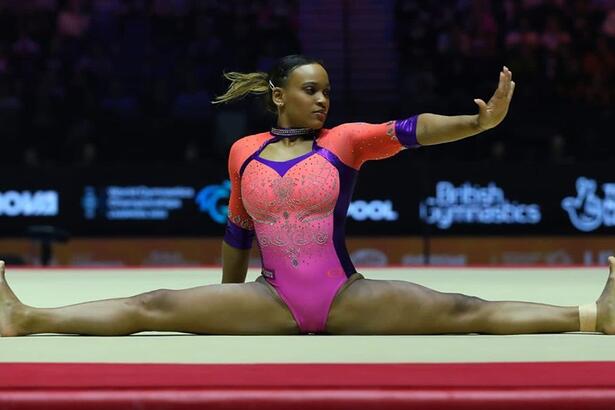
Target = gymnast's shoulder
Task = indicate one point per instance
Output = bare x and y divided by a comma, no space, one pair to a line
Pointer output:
246,146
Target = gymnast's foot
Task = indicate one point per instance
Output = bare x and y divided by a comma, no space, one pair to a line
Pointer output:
11,309
606,303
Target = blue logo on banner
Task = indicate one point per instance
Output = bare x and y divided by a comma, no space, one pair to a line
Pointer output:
587,211
89,202
213,200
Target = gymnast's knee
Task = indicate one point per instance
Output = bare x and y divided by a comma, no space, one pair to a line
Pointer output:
465,304
151,302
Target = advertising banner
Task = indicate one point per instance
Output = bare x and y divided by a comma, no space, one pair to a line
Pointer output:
392,198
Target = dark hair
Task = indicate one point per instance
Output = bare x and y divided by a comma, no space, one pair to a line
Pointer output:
243,84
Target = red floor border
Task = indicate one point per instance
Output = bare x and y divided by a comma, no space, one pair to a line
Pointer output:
465,375
562,385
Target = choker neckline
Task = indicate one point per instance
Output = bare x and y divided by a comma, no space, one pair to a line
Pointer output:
293,132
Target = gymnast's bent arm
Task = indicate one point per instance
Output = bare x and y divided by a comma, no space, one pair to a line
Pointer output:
234,264
239,232
434,129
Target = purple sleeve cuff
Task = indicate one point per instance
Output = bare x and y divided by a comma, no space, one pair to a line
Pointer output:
238,237
406,132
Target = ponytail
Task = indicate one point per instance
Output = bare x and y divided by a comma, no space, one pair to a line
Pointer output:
243,84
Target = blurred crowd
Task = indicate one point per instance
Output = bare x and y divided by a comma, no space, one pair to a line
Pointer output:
561,52
98,81
86,82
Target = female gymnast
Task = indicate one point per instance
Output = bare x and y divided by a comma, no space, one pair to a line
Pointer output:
290,188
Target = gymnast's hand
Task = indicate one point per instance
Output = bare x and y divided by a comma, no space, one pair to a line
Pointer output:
493,112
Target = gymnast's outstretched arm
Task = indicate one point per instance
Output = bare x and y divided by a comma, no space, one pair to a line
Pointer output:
434,129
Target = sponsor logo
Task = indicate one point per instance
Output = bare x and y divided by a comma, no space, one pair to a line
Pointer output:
369,257
89,202
473,204
134,202
434,259
153,202
29,203
588,211
269,274
376,210
213,199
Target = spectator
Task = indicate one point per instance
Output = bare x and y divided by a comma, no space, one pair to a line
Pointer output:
72,20
129,67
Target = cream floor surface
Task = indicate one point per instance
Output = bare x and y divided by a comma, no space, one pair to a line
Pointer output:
56,287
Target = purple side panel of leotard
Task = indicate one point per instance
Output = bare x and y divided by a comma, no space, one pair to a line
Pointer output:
406,132
348,179
238,237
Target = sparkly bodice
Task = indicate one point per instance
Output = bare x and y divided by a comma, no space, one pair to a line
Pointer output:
290,211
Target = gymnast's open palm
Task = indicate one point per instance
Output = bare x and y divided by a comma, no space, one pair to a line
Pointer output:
492,113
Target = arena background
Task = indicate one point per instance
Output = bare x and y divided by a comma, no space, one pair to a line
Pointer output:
113,154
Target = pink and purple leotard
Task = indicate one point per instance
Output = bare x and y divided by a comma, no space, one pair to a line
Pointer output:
297,209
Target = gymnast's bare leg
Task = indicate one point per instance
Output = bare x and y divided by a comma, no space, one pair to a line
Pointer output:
365,307
399,307
247,308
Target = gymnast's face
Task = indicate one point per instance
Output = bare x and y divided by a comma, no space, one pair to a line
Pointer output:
304,101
